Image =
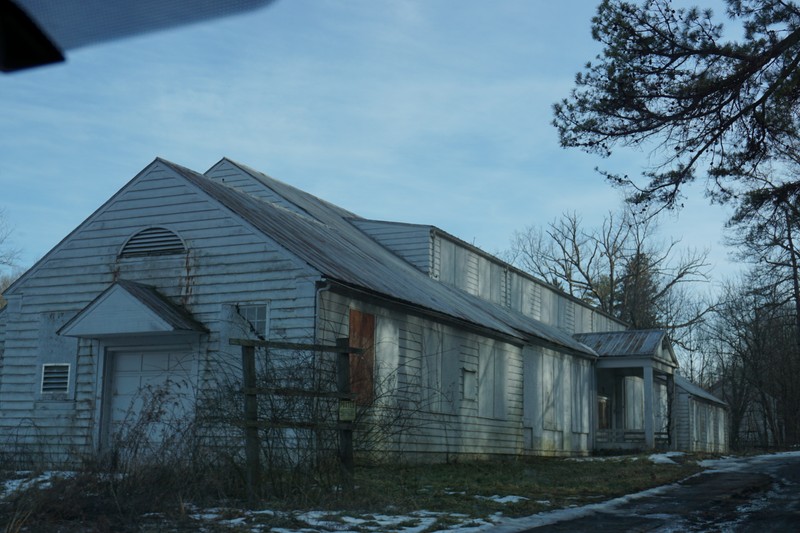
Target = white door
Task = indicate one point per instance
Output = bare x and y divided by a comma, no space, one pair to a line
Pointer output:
149,396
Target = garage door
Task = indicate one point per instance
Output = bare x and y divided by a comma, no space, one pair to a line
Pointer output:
150,395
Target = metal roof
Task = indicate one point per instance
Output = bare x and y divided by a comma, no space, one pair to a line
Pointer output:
177,317
631,343
316,207
696,390
330,244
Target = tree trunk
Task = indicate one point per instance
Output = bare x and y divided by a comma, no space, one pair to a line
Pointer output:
795,281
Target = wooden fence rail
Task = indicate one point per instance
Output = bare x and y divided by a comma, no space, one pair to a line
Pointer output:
251,423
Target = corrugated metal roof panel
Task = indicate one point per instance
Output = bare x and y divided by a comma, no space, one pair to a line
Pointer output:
318,208
696,390
340,251
632,343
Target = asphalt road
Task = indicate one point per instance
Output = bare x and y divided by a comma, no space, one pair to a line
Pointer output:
756,494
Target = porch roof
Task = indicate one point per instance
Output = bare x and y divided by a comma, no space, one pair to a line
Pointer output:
696,390
651,343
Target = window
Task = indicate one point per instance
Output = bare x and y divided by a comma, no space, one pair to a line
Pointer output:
257,318
469,384
55,378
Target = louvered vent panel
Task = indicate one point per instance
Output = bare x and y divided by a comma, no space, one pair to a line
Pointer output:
153,241
55,378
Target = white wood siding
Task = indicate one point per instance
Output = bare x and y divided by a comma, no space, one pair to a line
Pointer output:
558,397
431,355
227,262
412,243
493,280
700,425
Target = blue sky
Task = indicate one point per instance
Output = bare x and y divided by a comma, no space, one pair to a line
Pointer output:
434,112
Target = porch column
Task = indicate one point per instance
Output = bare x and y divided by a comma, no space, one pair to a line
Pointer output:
673,442
649,436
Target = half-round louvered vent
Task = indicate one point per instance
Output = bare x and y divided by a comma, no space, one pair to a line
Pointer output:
153,241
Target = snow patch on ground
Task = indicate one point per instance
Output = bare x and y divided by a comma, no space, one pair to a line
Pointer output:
503,499
733,464
665,458
25,480
419,521
600,458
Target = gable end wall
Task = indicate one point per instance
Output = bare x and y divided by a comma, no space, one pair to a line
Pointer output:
228,262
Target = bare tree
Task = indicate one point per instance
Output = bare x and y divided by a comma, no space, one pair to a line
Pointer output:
584,264
752,333
766,229
8,255
621,267
8,258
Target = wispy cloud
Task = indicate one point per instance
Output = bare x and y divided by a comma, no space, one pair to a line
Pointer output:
429,112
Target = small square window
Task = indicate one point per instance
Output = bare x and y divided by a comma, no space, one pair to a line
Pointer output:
256,316
55,379
469,384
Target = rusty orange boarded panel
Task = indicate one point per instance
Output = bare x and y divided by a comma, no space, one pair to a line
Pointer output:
362,366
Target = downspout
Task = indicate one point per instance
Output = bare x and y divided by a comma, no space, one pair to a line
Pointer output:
322,286
594,417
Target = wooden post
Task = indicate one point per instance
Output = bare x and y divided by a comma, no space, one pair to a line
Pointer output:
251,444
649,411
346,428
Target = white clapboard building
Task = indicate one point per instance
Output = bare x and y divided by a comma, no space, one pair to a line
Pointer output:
152,286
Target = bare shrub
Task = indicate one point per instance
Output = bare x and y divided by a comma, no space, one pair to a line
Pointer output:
298,425
152,465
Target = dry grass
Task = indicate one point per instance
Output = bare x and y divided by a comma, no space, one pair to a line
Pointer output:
544,483
157,500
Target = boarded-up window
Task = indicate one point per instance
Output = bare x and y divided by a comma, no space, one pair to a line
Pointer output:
362,366
661,407
580,396
491,281
440,369
551,391
469,384
492,380
634,403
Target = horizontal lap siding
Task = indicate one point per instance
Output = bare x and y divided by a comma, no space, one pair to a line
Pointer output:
227,263
683,421
438,433
451,262
412,243
2,333
492,280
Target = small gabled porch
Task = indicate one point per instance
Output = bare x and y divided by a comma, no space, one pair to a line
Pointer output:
635,386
